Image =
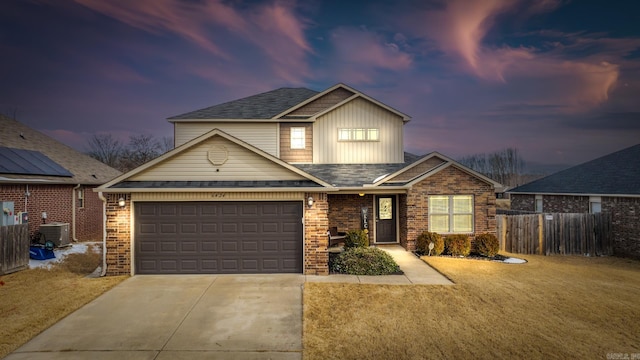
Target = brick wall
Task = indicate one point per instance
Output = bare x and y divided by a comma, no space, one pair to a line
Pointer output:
316,223
56,201
344,212
523,202
450,181
565,204
118,235
626,225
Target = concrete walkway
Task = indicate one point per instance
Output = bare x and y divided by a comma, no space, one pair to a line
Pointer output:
416,272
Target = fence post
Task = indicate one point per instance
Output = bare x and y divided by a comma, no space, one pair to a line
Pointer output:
540,234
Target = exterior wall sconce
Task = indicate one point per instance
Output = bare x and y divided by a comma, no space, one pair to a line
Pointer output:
310,201
361,194
121,202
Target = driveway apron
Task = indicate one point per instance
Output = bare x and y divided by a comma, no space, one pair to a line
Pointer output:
181,317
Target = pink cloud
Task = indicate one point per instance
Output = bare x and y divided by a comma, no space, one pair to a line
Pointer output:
360,54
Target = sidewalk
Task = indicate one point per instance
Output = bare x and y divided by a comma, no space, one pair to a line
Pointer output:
416,272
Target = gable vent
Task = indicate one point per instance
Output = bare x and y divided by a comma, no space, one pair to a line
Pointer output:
218,155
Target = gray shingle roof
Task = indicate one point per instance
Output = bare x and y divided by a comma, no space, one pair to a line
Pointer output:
85,169
616,174
354,175
261,106
214,184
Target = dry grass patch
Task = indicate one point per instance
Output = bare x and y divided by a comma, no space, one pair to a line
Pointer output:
551,307
33,300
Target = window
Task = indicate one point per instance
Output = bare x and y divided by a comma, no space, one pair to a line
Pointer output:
595,204
80,198
539,203
358,134
451,213
297,137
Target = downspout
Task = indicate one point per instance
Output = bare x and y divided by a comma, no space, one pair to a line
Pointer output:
104,233
73,213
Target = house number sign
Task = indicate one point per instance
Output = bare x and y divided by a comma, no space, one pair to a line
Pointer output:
219,195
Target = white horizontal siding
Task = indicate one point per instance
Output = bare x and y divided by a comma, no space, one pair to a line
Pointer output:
357,114
262,136
193,165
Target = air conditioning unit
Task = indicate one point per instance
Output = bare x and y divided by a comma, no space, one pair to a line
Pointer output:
56,232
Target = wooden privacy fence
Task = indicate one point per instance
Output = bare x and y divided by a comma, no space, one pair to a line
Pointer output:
14,248
558,233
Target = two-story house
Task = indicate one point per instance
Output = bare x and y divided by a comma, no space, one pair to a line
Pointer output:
254,185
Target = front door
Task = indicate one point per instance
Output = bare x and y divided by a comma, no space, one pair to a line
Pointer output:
386,219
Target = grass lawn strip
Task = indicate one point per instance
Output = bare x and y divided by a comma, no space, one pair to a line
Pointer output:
33,300
548,308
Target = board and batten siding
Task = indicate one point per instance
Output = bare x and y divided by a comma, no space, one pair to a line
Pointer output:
357,114
262,136
193,165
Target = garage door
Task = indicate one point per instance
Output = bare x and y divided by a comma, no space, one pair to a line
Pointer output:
218,237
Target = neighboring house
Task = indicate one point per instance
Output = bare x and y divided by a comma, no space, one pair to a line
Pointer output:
41,175
607,184
255,184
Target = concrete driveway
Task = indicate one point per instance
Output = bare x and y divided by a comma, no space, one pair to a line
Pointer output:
181,317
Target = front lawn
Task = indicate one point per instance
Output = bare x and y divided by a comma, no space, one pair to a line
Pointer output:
33,300
550,307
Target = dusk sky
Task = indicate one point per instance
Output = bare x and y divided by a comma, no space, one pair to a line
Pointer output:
559,80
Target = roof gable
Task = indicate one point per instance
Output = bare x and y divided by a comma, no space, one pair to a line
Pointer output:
427,166
615,174
261,106
82,168
215,159
332,104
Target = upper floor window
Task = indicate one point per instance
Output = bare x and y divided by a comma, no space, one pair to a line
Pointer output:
451,213
297,138
358,134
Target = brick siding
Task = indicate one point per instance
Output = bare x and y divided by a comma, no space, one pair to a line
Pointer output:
450,181
56,201
118,235
316,223
344,212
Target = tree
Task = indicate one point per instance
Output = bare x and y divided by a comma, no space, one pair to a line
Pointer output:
142,148
105,148
504,166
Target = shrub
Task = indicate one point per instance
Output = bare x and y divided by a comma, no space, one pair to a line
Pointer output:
356,238
486,245
423,240
365,261
457,244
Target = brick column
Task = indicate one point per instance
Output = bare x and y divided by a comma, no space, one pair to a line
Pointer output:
316,257
118,235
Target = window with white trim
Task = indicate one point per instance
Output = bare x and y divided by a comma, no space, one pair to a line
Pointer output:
358,134
451,213
80,198
595,204
538,203
297,138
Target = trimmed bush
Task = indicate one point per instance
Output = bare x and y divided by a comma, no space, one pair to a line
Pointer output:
457,244
356,238
486,245
423,240
365,261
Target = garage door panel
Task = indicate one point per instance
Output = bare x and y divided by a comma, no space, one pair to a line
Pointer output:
218,237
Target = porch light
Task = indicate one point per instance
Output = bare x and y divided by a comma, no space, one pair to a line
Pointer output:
310,201
121,202
361,194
